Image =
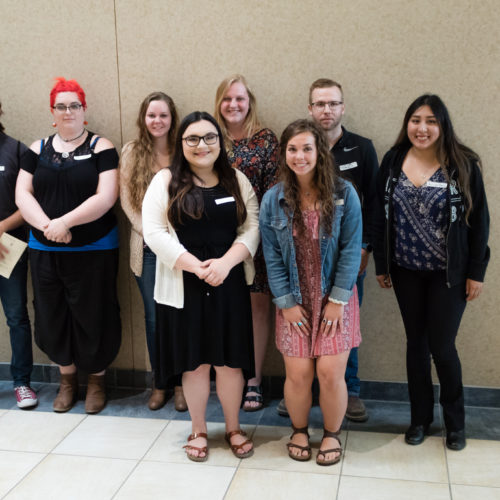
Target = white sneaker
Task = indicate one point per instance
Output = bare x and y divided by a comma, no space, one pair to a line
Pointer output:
26,397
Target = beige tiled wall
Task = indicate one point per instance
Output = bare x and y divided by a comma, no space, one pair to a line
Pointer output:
385,54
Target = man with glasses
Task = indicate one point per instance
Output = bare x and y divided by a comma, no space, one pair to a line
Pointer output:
355,160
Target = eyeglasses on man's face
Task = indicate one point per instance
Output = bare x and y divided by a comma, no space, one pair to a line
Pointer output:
62,108
194,140
320,105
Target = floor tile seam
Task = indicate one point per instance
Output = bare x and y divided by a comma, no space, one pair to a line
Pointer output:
302,472
357,476
26,474
76,455
69,432
476,485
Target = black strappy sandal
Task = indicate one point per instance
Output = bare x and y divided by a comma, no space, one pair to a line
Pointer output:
257,399
301,457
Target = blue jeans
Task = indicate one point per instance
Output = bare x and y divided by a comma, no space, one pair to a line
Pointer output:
146,284
13,296
351,371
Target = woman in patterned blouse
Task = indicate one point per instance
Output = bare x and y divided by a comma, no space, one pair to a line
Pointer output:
431,243
253,150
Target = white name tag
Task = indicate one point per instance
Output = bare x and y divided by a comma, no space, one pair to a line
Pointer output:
220,201
2,168
339,202
433,184
82,157
348,166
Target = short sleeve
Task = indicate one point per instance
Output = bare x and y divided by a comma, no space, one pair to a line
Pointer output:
107,160
29,161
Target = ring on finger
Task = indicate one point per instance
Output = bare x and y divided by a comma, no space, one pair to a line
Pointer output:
294,323
324,320
329,322
299,323
304,321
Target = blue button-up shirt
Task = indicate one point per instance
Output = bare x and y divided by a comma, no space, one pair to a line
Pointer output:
340,251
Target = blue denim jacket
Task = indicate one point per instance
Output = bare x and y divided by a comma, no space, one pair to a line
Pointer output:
340,251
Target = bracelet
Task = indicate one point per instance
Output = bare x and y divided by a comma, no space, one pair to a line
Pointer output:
335,301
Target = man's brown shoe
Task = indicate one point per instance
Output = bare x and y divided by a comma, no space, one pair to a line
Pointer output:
356,410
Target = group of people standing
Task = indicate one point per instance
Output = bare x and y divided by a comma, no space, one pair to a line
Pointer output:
192,192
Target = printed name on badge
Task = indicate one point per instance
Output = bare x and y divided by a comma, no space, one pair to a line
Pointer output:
220,201
339,202
433,184
348,166
2,168
82,157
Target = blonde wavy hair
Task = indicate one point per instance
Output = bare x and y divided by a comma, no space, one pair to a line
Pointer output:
251,123
141,152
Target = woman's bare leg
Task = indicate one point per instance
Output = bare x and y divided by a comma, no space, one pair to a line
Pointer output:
196,385
298,395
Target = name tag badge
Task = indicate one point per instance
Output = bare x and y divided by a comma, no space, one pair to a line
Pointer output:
83,157
433,184
220,201
339,202
2,168
348,166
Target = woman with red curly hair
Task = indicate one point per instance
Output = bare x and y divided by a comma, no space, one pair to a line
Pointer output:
66,189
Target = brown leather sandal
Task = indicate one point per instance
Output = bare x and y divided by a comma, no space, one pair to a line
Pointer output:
203,449
323,453
301,457
236,447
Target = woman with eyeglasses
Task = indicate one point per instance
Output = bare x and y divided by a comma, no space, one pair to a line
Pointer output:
66,189
311,231
200,219
141,159
431,243
252,149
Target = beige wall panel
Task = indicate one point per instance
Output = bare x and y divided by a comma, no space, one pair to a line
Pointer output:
384,53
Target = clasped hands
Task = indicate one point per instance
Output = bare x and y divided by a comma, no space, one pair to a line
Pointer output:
331,318
56,230
212,271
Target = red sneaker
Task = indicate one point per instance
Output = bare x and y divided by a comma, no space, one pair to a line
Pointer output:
26,397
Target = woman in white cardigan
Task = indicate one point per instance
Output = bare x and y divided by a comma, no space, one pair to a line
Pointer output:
200,217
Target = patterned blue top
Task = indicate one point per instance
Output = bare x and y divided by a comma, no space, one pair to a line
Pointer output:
420,223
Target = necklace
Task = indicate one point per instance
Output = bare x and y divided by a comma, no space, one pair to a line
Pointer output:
74,138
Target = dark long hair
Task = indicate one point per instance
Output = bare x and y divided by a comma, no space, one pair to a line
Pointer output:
325,180
185,198
2,128
450,152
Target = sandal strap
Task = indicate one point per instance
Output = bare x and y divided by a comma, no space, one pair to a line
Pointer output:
257,399
300,430
331,434
230,434
195,435
254,388
298,446
236,447
331,450
199,449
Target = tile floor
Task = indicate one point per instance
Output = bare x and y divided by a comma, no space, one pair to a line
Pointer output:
128,452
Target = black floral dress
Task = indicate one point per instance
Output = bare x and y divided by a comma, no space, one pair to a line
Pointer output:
257,158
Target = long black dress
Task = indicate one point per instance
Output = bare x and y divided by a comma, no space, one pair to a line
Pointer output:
215,325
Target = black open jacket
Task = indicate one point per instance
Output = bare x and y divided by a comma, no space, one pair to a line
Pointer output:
466,244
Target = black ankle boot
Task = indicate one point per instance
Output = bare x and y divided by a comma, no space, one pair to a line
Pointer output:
455,440
415,434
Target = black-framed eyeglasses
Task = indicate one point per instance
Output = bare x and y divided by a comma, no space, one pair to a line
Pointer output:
194,140
73,107
320,105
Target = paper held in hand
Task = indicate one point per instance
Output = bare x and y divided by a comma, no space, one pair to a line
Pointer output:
16,248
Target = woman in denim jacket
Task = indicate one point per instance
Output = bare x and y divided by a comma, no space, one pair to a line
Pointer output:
311,235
